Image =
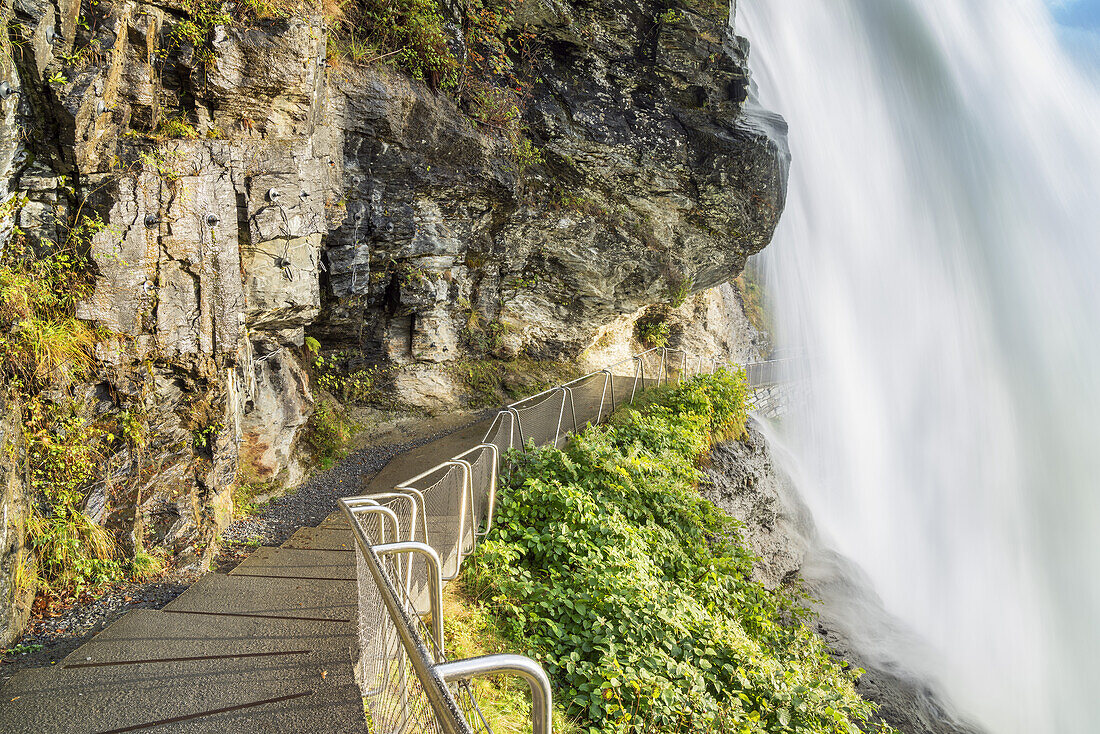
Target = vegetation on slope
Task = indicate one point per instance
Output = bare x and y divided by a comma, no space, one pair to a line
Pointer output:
44,351
607,565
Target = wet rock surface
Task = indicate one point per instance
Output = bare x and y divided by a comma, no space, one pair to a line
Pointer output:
743,480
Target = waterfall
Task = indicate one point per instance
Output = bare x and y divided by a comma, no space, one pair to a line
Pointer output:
938,264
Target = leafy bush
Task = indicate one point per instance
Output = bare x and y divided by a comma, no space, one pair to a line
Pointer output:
607,565
328,432
64,453
177,127
653,329
335,374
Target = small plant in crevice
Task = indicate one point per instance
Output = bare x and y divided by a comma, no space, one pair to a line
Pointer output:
679,288
405,33
652,329
334,373
176,127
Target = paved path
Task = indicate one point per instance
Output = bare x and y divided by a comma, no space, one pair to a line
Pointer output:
268,647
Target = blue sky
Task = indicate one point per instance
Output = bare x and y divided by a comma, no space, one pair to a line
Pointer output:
1079,21
1078,14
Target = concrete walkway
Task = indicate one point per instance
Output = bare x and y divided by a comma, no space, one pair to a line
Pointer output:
269,647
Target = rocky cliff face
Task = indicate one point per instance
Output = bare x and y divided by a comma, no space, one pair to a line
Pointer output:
248,193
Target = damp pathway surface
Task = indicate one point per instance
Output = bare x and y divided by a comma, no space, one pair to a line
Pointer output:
269,646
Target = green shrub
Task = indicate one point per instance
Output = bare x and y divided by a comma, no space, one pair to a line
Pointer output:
328,432
177,127
40,339
334,374
65,453
146,566
606,564
652,329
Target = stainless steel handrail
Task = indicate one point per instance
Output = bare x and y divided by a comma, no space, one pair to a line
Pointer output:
435,580
434,676
542,699
443,672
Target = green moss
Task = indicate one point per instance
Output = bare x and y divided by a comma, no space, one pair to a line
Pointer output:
494,382
245,494
606,564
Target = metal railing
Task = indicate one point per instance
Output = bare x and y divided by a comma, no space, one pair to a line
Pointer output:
414,538
407,682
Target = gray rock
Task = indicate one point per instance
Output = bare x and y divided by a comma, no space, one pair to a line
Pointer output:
363,209
743,480
15,509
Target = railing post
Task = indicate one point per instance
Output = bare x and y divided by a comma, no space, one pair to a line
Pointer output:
492,495
542,702
572,410
519,429
608,381
466,502
565,393
435,581
639,369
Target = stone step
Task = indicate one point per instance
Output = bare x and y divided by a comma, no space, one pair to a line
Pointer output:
304,564
306,599
253,695
185,672
148,634
329,539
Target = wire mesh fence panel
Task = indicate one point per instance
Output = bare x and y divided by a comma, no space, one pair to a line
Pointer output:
623,378
464,696
676,367
394,701
393,694
652,368
589,401
445,514
411,571
540,420
502,434
482,478
378,643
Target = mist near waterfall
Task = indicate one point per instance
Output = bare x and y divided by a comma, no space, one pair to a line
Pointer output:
939,264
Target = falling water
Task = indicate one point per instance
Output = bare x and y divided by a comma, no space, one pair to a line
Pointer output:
939,263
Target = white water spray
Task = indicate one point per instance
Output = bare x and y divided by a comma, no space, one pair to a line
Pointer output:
939,260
